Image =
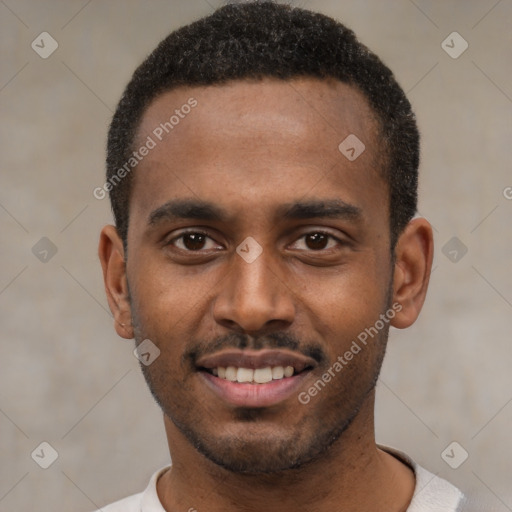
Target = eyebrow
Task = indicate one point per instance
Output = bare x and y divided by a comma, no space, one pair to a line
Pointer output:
300,210
187,209
331,209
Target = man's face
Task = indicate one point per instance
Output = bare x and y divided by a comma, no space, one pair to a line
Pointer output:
256,166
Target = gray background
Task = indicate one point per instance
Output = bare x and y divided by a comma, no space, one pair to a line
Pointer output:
67,379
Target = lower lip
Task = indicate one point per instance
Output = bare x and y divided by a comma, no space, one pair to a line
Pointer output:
243,394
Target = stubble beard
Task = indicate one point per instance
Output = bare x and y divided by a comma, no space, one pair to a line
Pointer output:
253,452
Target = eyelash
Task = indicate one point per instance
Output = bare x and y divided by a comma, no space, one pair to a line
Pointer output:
184,233
199,232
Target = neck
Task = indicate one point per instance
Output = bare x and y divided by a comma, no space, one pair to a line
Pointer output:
354,475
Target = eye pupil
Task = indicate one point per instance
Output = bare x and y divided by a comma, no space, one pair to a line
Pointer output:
316,241
194,241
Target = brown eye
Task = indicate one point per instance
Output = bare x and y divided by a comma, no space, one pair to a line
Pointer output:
194,241
316,241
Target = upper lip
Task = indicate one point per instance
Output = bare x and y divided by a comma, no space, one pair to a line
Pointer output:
256,359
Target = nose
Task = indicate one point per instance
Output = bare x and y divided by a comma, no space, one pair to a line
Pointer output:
254,297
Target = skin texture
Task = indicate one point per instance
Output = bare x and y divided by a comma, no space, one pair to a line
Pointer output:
252,149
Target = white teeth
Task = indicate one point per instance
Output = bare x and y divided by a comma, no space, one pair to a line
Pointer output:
245,375
288,371
262,375
277,372
258,376
231,373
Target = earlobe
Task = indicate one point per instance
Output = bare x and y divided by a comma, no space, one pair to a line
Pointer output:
111,254
413,264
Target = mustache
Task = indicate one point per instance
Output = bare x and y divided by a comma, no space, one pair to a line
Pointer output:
242,341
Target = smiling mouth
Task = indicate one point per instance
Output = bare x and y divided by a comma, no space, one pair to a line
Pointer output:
255,378
257,366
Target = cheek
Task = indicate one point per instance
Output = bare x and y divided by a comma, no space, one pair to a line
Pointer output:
346,303
165,301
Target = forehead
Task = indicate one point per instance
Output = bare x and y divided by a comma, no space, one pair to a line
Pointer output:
261,140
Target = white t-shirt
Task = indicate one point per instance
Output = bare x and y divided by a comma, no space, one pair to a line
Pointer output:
431,493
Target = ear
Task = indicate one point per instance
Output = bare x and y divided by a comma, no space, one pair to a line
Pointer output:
111,253
413,263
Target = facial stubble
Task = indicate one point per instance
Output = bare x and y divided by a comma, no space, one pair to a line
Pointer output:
256,445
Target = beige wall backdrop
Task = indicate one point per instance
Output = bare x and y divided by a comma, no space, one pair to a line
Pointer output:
66,379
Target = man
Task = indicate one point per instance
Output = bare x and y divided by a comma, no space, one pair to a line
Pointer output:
262,168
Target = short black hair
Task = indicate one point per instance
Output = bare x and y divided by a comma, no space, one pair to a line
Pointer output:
264,39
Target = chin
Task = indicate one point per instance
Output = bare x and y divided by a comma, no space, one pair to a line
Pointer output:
256,450
256,458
